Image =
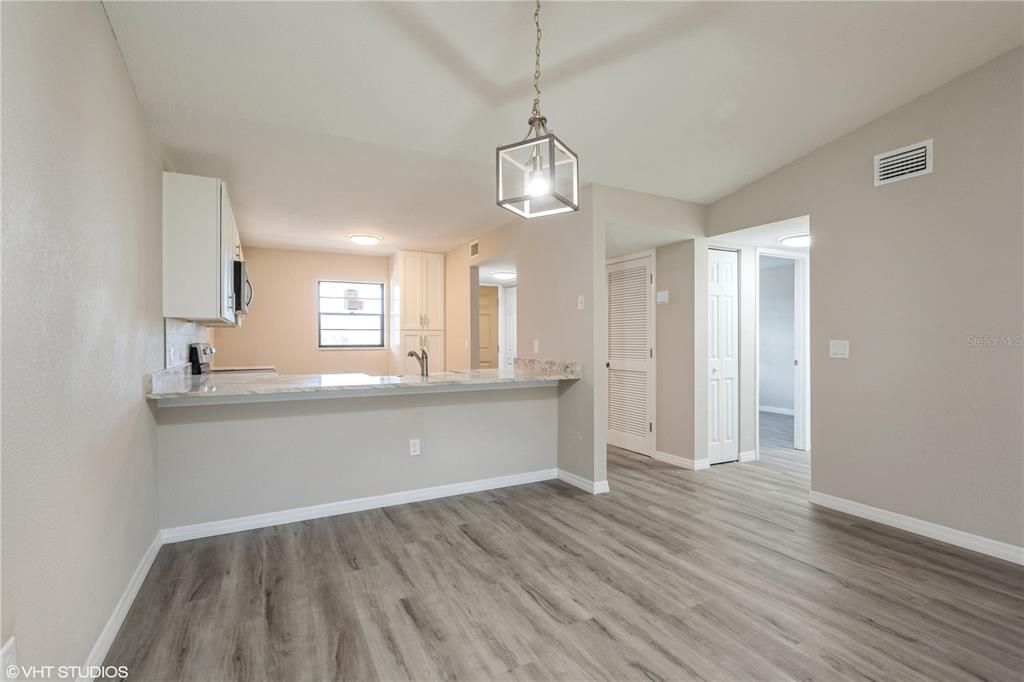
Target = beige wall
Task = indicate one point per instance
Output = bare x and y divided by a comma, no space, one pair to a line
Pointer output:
281,329
558,258
918,421
674,322
81,327
457,302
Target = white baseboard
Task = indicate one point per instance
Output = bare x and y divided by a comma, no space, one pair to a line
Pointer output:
748,456
109,631
775,410
684,462
976,543
592,487
202,530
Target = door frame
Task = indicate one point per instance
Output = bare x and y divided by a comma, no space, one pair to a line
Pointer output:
801,343
503,331
498,313
652,318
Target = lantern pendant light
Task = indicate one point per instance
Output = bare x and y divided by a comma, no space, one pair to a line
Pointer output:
538,175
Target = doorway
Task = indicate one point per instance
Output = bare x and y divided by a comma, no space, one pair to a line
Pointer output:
783,331
631,334
489,323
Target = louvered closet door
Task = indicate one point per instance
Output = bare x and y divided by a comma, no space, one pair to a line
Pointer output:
630,352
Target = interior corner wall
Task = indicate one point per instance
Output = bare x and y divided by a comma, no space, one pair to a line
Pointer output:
456,308
675,329
81,328
925,278
558,259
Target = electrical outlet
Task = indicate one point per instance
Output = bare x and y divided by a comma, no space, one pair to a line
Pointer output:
414,447
580,303
536,347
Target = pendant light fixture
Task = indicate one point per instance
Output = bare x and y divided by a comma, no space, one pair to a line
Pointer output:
539,175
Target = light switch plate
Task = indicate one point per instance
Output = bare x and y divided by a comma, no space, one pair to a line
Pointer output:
414,447
839,349
661,297
580,305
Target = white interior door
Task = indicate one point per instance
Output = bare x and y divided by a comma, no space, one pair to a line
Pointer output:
723,351
630,355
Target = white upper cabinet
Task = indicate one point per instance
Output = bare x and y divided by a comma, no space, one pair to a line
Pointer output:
417,310
433,289
420,289
200,243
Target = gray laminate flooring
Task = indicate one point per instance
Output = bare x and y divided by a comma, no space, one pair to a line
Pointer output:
776,431
723,574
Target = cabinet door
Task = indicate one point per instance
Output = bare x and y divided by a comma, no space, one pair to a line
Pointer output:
411,342
411,284
433,288
434,342
227,257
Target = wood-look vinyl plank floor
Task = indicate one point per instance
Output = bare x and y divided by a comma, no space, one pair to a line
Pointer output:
723,574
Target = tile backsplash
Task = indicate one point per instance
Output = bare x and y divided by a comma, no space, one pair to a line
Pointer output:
178,334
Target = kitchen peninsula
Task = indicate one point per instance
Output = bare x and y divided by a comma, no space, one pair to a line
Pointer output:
243,451
175,387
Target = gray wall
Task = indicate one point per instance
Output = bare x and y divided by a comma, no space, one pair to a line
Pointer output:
81,326
922,420
223,462
777,338
558,258
675,336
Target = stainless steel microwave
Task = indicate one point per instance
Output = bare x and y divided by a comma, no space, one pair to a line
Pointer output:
243,289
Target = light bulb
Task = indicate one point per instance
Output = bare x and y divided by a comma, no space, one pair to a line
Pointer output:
365,239
796,240
538,185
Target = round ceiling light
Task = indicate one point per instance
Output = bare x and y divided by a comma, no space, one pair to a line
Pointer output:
796,240
503,276
365,239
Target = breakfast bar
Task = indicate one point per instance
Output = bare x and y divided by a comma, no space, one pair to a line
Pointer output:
241,450
178,388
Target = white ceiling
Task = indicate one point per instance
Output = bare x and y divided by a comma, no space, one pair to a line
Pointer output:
504,263
332,118
768,236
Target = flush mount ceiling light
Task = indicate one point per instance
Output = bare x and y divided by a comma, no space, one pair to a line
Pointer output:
538,175
365,239
503,276
796,240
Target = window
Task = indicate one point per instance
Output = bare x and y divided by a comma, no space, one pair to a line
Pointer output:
351,315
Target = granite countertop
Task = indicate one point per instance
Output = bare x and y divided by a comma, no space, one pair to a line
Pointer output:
174,387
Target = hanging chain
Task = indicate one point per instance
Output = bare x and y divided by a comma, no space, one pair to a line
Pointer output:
536,70
538,124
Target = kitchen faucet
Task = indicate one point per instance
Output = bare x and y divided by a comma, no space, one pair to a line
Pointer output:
423,359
